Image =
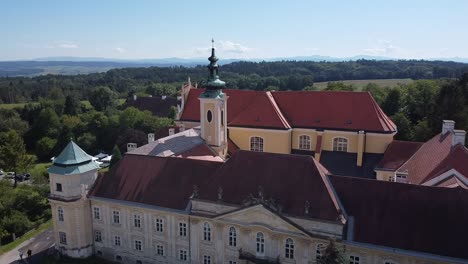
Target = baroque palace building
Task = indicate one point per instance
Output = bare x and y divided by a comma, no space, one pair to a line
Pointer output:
268,177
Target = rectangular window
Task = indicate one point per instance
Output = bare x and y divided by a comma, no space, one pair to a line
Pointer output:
401,178
159,225
97,236
232,262
206,259
160,250
340,144
256,144
116,217
138,245
353,259
183,255
118,258
304,142
117,241
182,229
137,221
58,187
63,238
97,213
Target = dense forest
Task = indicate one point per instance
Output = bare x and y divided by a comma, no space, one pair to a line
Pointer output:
281,75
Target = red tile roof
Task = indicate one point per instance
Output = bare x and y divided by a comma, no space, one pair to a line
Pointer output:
156,105
201,152
457,159
397,153
232,147
289,179
406,216
159,181
282,110
426,158
333,110
245,108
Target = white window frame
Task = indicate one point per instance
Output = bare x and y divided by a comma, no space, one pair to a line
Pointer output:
206,259
96,213
400,177
340,144
159,224
257,144
138,245
137,220
206,231
63,238
116,216
97,236
304,142
232,236
183,254
260,244
319,251
117,241
182,229
354,259
289,248
160,250
60,214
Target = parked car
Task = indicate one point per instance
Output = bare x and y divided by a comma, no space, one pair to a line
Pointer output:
19,177
1,173
27,176
10,175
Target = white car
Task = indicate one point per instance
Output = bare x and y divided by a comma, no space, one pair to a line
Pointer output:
10,174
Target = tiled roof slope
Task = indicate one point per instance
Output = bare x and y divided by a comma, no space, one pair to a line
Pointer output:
289,179
160,181
426,159
156,105
406,216
457,159
330,109
245,108
305,109
397,153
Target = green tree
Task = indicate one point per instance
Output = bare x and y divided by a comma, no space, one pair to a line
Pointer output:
72,106
44,148
450,103
116,156
392,102
404,126
331,255
422,132
88,142
379,93
102,98
13,155
339,86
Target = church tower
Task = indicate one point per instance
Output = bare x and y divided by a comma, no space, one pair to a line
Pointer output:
72,174
213,105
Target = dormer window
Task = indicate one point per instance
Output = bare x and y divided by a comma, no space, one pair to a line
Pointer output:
340,144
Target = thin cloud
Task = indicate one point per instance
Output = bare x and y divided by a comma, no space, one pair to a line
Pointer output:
120,50
383,47
225,46
63,45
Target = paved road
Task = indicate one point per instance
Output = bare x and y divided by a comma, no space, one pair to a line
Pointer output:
38,245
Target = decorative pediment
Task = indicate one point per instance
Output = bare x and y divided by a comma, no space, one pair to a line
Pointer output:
259,215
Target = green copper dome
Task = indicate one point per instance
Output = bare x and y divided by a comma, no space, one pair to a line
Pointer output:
72,160
214,83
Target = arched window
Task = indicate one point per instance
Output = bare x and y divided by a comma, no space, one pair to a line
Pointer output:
318,251
206,232
232,237
304,142
340,144
60,214
289,249
260,243
256,144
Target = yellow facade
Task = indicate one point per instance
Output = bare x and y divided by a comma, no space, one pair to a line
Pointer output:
377,143
275,141
296,133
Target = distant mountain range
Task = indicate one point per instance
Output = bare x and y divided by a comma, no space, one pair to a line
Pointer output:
85,65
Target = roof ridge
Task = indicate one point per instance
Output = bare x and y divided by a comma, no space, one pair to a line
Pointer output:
277,110
329,187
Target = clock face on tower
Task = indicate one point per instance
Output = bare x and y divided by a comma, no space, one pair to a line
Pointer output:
209,116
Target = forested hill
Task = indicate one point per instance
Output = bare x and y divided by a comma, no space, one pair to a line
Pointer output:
280,75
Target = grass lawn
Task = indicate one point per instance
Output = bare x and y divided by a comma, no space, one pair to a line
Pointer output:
30,234
359,84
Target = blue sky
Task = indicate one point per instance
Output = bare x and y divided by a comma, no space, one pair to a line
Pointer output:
242,29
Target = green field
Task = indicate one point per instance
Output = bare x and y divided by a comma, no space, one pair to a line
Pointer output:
359,84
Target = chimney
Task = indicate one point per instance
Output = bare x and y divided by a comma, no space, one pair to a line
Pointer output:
458,137
131,146
164,97
181,127
171,131
447,126
150,137
134,97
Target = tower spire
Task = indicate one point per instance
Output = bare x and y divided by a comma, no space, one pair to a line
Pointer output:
214,83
